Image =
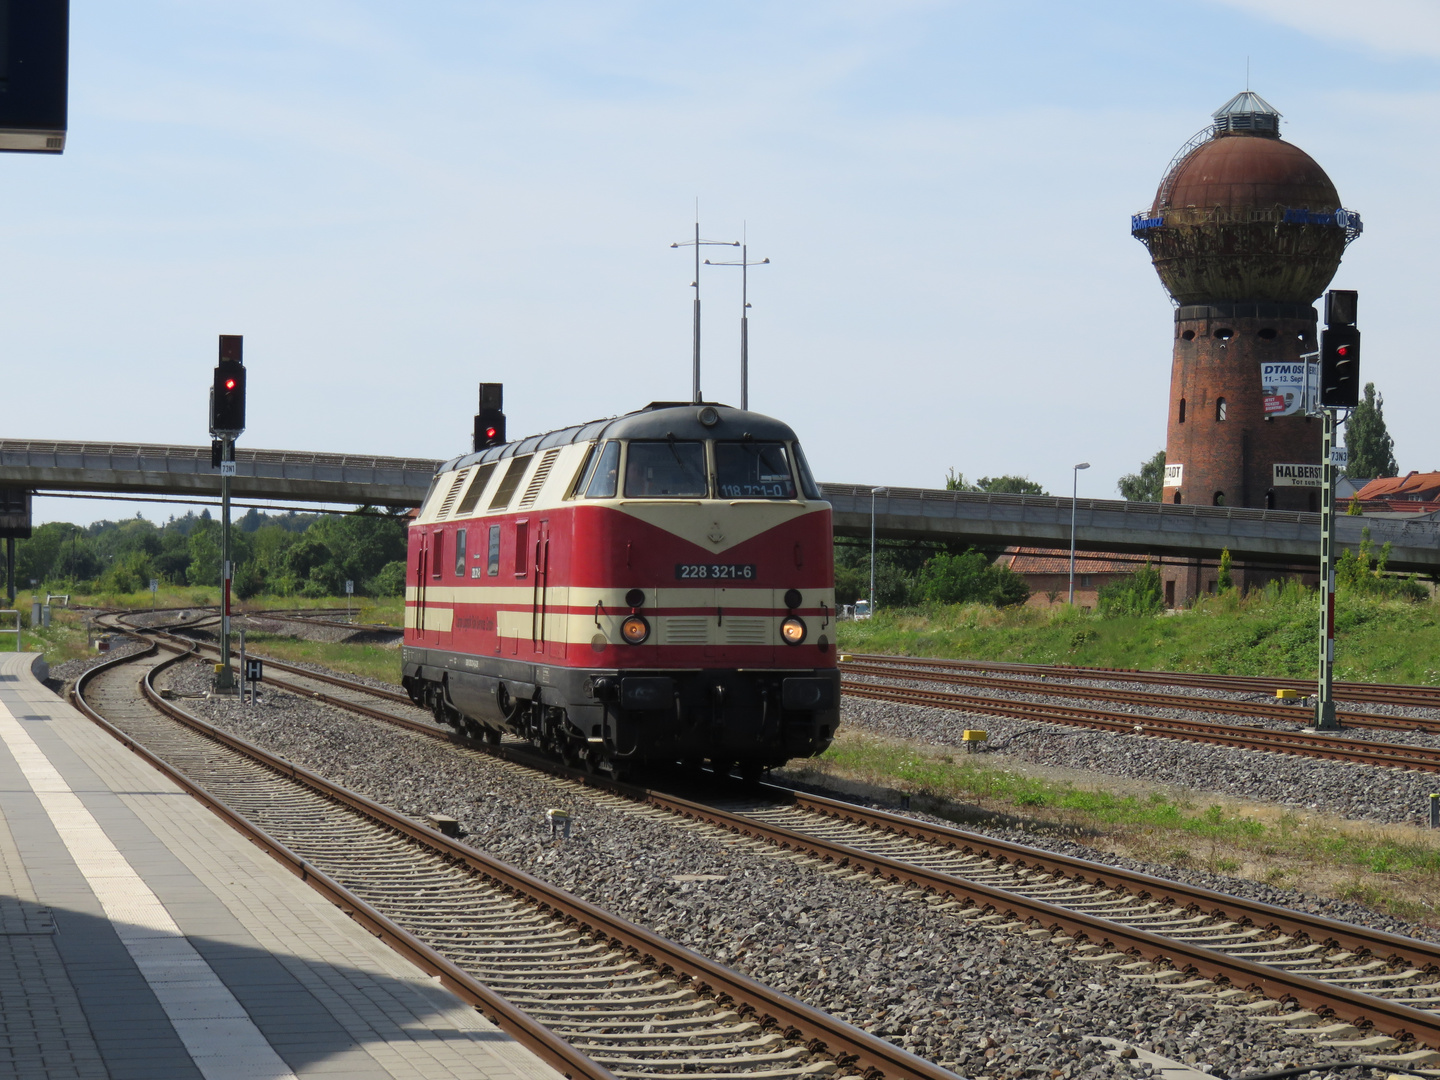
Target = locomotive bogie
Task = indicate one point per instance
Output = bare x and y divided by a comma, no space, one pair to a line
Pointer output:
653,588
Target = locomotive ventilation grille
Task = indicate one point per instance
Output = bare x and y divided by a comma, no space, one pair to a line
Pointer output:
684,630
542,473
452,493
746,631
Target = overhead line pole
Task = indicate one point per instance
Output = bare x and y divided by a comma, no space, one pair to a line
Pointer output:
697,244
744,265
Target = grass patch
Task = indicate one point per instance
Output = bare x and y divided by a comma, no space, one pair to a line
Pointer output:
373,661
1394,869
1267,632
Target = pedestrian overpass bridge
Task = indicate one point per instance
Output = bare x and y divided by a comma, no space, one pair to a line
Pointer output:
1159,529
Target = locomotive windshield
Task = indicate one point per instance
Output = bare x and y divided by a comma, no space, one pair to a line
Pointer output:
753,470
665,468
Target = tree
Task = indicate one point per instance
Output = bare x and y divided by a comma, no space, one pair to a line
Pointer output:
1148,484
1010,485
1371,449
955,481
1134,594
1224,580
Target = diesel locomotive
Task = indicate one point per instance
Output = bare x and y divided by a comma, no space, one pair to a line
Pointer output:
652,589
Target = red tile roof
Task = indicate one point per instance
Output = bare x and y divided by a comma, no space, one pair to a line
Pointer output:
1413,487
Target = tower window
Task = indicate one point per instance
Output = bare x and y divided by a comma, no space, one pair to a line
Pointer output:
1267,334
1219,498
1224,333
1188,335
1270,499
1177,496
1220,408
1182,410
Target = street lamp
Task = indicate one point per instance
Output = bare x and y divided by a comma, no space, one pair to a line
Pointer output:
1074,494
873,492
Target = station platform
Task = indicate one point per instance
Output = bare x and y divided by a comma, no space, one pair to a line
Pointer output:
140,937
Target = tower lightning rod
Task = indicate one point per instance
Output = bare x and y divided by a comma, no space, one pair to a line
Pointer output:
744,265
697,244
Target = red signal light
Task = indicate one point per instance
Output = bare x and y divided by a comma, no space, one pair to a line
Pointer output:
489,432
229,384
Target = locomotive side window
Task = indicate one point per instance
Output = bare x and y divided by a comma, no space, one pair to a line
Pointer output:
475,490
437,554
753,470
582,474
666,469
522,542
808,487
460,553
493,569
511,481
603,482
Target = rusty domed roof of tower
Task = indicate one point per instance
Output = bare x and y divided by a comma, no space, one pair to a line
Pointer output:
1236,170
1242,215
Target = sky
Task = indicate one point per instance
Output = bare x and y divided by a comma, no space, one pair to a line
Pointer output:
393,203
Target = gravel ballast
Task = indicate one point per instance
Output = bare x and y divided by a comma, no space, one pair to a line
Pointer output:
980,1001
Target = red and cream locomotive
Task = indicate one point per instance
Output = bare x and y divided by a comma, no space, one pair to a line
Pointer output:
653,588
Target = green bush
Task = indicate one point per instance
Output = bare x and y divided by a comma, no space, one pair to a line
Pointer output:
390,581
1134,594
969,578
1353,572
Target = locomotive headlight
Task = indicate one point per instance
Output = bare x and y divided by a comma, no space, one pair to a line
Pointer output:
636,629
793,630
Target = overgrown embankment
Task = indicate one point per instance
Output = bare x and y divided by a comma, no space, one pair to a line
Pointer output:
1270,632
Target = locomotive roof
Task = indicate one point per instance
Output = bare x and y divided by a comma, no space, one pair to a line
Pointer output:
658,420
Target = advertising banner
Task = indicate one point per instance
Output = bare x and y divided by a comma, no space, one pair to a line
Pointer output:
1173,475
1299,475
1283,387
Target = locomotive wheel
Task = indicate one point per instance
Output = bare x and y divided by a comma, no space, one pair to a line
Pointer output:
492,736
751,770
570,753
722,767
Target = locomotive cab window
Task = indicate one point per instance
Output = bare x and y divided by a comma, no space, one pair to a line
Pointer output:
808,487
753,470
665,469
602,484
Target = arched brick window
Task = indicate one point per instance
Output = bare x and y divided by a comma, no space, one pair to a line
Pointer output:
1219,498
1182,410
1220,408
1177,495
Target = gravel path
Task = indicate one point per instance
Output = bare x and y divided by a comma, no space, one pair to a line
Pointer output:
982,1002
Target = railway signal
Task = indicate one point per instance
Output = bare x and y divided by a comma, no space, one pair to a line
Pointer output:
227,421
1340,367
34,76
490,420
1339,389
227,394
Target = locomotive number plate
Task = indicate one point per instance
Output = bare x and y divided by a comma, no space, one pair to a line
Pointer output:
715,571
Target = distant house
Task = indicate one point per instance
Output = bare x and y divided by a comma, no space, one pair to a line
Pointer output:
1413,487
1047,572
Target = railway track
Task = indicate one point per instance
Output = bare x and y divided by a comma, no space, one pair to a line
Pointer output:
1143,698
595,995
1380,989
1426,697
1240,737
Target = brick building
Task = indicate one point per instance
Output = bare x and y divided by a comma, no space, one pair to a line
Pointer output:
1245,232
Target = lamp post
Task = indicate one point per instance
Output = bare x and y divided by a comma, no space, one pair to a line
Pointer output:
1074,498
873,492
744,265
697,244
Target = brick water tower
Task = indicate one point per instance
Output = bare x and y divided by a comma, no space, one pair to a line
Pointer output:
1246,232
